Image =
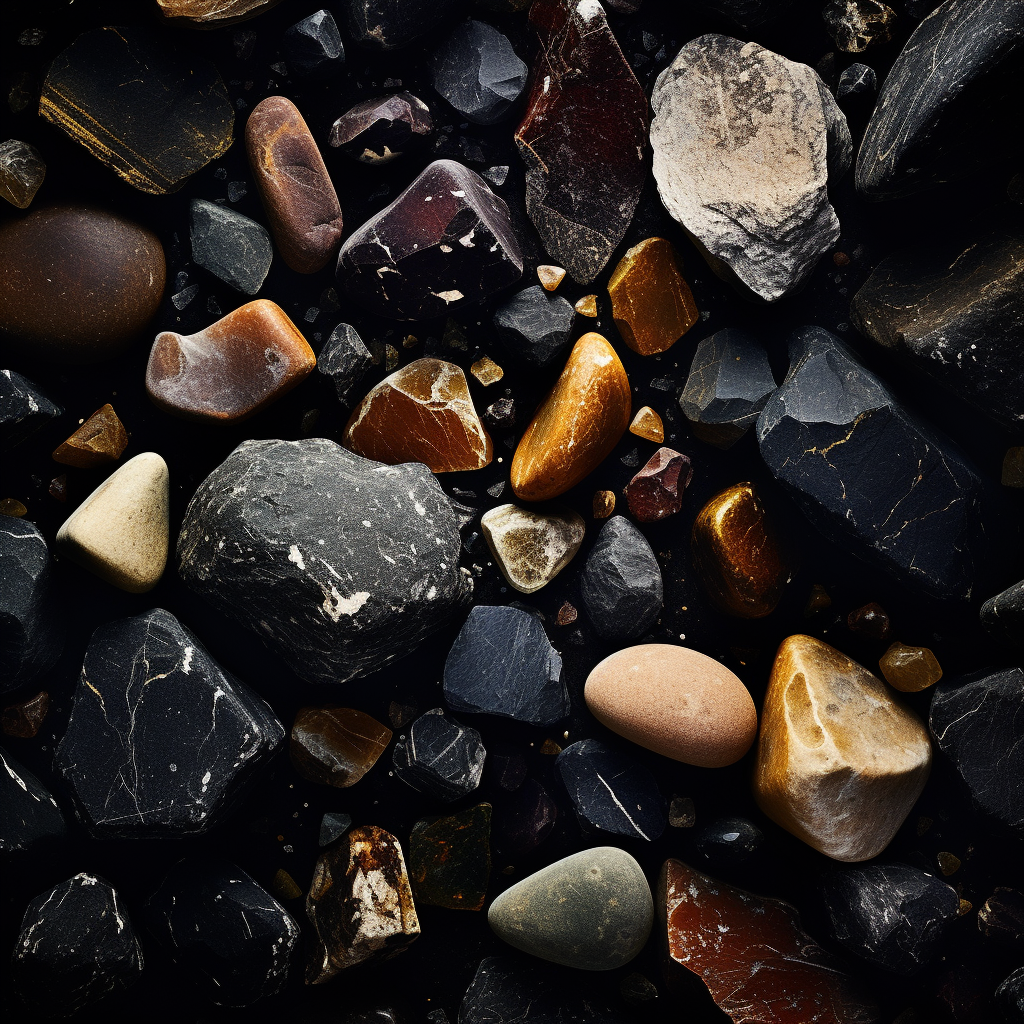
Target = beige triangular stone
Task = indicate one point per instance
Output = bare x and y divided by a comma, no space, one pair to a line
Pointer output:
120,532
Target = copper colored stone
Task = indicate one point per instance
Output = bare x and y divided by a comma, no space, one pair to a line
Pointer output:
751,952
910,669
567,615
738,553
336,746
603,504
587,306
25,719
77,284
232,369
652,305
212,13
421,413
297,191
578,424
100,439
657,490
648,425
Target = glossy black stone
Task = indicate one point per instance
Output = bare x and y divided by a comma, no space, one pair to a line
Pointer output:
1003,615
611,791
234,248
621,585
857,80
29,815
382,129
223,931
312,48
440,757
344,360
76,945
333,826
893,915
23,409
534,326
391,24
523,820
862,468
728,840
161,739
502,663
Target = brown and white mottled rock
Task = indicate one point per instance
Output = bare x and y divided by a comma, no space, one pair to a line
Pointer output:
532,548
674,701
839,763
744,143
212,13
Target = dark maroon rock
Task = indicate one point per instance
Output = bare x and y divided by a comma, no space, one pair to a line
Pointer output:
379,130
657,490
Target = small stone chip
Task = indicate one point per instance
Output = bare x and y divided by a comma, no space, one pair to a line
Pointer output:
549,276
587,306
101,439
603,504
487,371
648,425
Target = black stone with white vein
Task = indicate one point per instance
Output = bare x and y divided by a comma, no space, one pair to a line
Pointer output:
502,663
344,360
857,80
440,756
860,466
1002,616
611,791
341,564
23,409
161,739
232,247
222,928
534,326
978,723
894,915
76,945
29,816
312,47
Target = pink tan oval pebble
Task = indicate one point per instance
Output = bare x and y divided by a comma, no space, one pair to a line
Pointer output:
674,701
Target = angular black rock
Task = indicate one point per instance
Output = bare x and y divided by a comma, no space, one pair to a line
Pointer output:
729,384
31,626
23,409
893,915
1010,994
955,311
223,930
728,840
502,663
1003,615
1001,917
749,12
390,24
857,80
29,816
234,248
161,739
611,791
440,756
621,584
476,70
941,112
385,576
445,241
76,945
524,819
379,130
535,326
861,467
344,359
978,723
312,48
333,826
501,415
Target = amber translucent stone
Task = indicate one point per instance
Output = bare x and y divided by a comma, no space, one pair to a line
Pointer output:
652,305
421,413
603,504
297,191
101,438
24,720
751,952
840,762
648,425
738,554
550,276
910,669
487,371
231,370
587,306
577,425
336,746
450,859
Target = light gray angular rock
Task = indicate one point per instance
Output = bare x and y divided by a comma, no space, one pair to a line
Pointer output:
341,564
230,246
344,360
744,143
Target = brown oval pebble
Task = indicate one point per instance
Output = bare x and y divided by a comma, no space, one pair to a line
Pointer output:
77,284
296,189
674,701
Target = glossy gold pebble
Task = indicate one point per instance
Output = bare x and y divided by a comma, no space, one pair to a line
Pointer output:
550,277
587,306
100,439
603,504
910,669
648,425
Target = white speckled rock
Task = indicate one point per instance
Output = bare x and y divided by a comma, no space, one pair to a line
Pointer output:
532,548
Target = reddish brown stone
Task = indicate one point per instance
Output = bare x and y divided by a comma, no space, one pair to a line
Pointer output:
870,621
99,440
336,746
25,719
657,490
59,487
297,191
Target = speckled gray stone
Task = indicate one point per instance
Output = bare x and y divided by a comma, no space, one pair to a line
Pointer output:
344,360
232,247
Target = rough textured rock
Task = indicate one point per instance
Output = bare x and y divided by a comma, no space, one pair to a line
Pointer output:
221,927
445,241
22,171
592,910
385,577
391,24
23,409
840,763
440,756
212,13
957,313
583,137
1003,615
857,24
535,326
336,746
450,859
161,739
312,47
31,627
100,440
621,585
861,467
103,89
233,248
657,490
382,129
978,723
502,663
76,945
893,915
531,548
344,359
744,143
939,111
29,815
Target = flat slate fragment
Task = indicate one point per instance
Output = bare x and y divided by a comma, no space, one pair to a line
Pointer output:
440,756
232,247
29,815
23,409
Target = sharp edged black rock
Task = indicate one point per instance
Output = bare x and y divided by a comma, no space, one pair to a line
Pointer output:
391,24
312,47
857,80
23,409
76,945
341,564
1003,615
535,326
161,739
234,248
344,359
29,816
440,756
859,465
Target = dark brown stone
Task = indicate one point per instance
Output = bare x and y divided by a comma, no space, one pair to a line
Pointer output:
870,621
336,746
450,859
657,490
25,719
